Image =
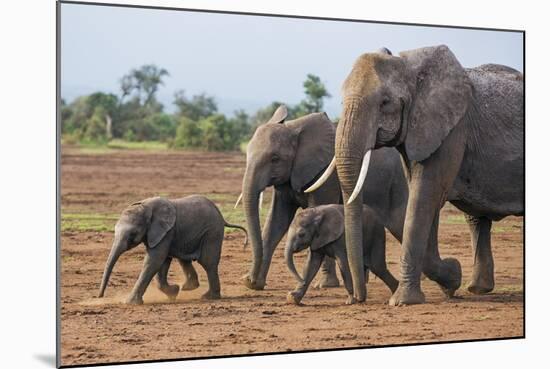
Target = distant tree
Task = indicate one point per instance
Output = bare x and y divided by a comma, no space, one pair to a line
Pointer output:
315,92
86,116
198,107
188,134
211,132
145,81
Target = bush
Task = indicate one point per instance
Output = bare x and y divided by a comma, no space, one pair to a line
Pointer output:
188,134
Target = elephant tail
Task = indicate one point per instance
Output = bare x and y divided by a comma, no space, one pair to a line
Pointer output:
239,227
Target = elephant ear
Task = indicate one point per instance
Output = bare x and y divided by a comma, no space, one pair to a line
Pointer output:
162,219
315,148
279,115
330,227
440,99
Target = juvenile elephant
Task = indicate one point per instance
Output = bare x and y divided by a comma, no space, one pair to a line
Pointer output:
460,135
291,156
188,229
322,230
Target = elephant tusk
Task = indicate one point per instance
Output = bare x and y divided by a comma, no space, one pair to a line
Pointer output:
238,201
324,177
261,200
361,179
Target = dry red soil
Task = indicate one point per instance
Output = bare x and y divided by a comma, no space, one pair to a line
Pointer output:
103,330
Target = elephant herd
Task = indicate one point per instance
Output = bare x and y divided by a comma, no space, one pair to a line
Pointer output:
424,128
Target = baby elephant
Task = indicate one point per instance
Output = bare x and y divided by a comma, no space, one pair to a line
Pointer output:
322,229
190,228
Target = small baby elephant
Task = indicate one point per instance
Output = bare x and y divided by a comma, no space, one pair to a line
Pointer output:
322,229
188,229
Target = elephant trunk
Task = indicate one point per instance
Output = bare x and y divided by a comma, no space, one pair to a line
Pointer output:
251,195
289,257
116,250
351,147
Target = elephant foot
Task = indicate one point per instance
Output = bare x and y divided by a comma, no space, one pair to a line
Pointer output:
328,280
209,295
134,300
256,285
190,285
407,296
453,274
481,286
171,291
294,297
351,300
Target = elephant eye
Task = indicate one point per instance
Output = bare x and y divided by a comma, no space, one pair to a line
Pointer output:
275,159
385,102
301,234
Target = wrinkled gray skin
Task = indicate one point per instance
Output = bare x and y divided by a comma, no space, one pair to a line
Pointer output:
322,230
460,135
291,156
188,229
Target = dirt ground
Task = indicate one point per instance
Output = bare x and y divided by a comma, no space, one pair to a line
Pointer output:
95,187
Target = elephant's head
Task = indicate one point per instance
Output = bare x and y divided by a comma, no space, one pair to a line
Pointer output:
412,102
280,153
315,228
147,221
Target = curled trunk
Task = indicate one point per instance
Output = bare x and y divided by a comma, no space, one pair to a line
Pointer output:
289,257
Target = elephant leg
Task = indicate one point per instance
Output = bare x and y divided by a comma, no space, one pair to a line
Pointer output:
483,271
209,260
328,274
342,260
214,288
447,272
312,265
375,252
191,277
378,264
162,281
429,183
276,225
152,264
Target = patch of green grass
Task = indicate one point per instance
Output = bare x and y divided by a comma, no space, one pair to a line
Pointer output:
233,170
145,145
481,317
82,222
508,288
242,147
453,219
505,229
116,144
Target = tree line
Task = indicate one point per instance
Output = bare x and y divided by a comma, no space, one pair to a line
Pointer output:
135,114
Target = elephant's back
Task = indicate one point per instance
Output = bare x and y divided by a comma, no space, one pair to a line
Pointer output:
197,215
498,91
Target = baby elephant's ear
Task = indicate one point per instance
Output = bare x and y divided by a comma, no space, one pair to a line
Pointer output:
163,218
330,228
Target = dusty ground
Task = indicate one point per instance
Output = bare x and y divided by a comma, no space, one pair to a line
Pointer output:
96,187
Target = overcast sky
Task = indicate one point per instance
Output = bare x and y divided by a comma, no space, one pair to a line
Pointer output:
244,61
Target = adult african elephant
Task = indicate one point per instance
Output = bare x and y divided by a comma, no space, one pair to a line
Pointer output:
460,135
291,156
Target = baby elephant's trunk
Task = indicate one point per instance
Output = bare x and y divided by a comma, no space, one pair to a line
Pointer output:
116,251
289,256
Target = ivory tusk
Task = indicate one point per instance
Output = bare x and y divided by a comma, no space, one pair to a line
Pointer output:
238,201
324,177
361,179
261,201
